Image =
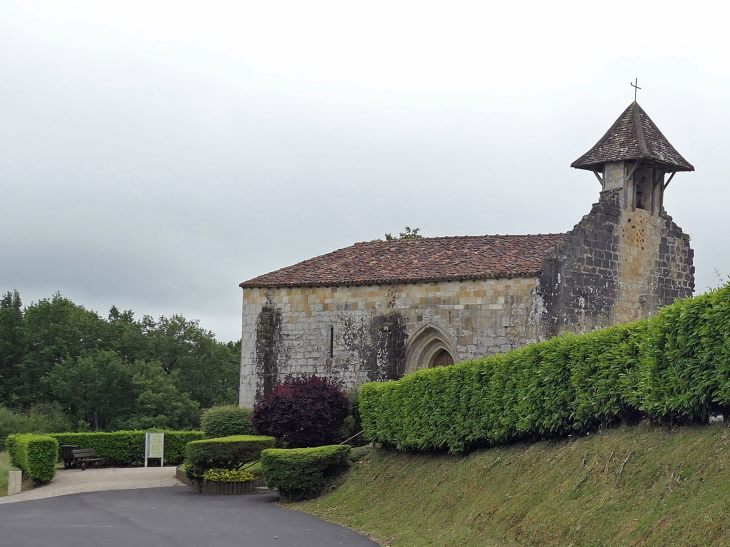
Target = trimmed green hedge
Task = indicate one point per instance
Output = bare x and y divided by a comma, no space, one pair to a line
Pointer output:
226,421
224,453
300,473
673,367
686,362
34,454
126,448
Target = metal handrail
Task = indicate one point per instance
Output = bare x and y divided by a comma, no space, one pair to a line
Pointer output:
355,435
343,442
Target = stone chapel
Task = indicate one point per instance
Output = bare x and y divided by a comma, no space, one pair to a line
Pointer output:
380,309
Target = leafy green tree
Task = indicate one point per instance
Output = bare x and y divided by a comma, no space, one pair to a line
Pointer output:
408,233
97,388
11,422
199,365
125,335
108,372
159,404
56,331
41,418
11,344
49,418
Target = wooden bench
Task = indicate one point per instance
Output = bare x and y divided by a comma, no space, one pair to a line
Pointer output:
85,456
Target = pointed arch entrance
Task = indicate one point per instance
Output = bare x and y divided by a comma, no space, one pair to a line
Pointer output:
429,348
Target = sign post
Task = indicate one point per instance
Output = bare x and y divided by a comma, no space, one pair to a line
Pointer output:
15,480
154,447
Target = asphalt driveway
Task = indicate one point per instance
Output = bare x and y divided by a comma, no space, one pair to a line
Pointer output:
160,517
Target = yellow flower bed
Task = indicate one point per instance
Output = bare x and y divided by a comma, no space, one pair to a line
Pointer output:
227,475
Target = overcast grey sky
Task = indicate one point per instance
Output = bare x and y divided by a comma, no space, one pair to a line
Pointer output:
153,155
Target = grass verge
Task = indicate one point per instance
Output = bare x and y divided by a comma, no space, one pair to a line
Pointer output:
636,486
5,467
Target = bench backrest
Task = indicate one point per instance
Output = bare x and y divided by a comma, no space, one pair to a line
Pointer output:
84,453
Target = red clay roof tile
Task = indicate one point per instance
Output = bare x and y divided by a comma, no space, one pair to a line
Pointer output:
417,260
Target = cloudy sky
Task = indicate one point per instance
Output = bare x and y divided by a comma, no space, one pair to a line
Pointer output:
153,155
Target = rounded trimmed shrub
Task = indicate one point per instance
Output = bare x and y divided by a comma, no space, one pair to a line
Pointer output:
225,421
224,453
301,473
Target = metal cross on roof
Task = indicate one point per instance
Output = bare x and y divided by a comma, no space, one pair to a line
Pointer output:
636,88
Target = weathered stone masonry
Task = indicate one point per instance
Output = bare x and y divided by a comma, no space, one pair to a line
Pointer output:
379,332
615,266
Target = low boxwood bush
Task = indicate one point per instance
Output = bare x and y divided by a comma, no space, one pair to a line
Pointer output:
225,421
126,448
673,367
224,453
301,473
35,454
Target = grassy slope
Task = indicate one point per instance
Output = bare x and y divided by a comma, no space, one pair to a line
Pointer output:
551,493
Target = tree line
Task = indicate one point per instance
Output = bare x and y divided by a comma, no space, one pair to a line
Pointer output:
62,363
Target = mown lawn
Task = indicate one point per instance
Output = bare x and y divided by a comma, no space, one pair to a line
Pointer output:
632,486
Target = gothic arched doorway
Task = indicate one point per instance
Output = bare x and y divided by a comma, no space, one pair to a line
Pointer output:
429,348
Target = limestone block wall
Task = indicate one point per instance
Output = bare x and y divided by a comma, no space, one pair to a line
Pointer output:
616,265
379,332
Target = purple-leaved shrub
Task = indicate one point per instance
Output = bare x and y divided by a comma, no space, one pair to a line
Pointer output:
303,411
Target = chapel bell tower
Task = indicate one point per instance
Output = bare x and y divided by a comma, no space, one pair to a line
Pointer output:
634,157
627,258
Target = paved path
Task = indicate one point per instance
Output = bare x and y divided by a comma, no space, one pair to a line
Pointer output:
72,481
166,517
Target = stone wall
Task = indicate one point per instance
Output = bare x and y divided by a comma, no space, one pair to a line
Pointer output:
616,265
364,333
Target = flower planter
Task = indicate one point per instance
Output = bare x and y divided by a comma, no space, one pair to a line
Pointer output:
181,476
220,488
227,488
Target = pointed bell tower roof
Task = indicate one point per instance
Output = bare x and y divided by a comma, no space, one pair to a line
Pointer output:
633,136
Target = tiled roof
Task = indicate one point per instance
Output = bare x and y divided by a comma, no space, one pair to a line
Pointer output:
418,260
633,136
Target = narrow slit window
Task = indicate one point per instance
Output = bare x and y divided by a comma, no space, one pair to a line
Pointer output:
332,342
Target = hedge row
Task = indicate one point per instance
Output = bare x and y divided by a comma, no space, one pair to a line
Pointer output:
675,366
224,453
126,448
300,473
34,454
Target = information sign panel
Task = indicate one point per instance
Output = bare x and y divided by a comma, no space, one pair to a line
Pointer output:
154,447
